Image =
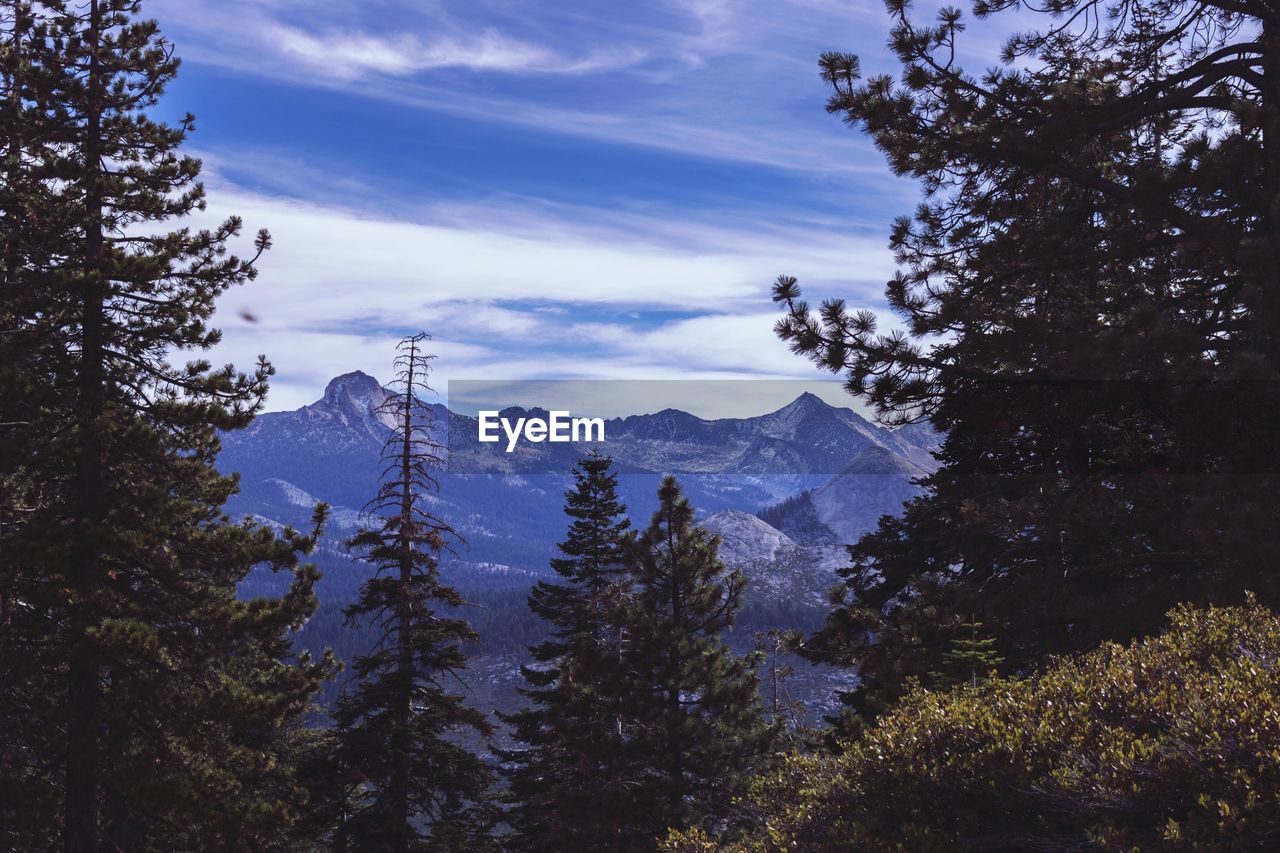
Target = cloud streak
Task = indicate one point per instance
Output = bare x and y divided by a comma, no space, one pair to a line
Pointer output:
346,56
718,79
340,287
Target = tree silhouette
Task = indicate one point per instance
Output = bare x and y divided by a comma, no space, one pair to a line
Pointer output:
404,777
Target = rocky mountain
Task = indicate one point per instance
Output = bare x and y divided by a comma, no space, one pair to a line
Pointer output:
744,537
876,482
508,505
776,567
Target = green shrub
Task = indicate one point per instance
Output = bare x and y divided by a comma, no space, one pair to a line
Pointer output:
1169,743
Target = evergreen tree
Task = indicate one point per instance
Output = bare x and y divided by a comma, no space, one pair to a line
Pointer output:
164,710
971,658
568,784
30,238
1089,299
782,706
698,724
28,689
410,779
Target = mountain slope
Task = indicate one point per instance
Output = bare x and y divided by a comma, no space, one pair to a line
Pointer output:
777,569
876,482
744,537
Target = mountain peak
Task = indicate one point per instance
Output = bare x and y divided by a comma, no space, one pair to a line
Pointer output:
807,401
355,383
353,397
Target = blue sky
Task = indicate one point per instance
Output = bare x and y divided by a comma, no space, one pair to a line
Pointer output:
552,190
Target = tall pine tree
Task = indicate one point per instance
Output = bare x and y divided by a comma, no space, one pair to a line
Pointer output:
165,709
409,778
1089,298
568,782
697,725
28,688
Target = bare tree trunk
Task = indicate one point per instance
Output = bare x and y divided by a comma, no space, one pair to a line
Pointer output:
404,615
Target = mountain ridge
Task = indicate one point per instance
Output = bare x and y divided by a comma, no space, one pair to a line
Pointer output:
509,505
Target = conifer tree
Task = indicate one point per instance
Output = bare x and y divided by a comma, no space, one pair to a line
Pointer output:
971,658
413,783
28,689
165,709
782,706
568,783
1089,299
698,725
28,236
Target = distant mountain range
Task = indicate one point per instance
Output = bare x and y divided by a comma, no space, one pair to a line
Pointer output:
784,491
827,473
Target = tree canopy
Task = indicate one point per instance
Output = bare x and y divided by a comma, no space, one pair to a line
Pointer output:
1088,300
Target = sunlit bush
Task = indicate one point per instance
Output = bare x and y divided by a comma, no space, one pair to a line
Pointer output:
1171,742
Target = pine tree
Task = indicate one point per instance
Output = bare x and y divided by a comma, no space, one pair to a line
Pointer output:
971,658
699,727
28,688
782,706
29,238
567,784
166,710
210,745
1087,289
413,781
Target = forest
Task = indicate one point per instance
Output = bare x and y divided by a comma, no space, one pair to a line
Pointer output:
1068,641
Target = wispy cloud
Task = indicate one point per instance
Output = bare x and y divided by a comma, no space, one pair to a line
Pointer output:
346,56
341,287
723,79
332,250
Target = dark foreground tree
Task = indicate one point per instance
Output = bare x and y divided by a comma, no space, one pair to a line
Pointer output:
144,706
1170,743
568,782
406,772
1090,296
697,723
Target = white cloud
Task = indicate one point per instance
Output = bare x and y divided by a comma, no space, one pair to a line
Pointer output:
740,85
348,265
345,56
720,345
740,342
340,288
